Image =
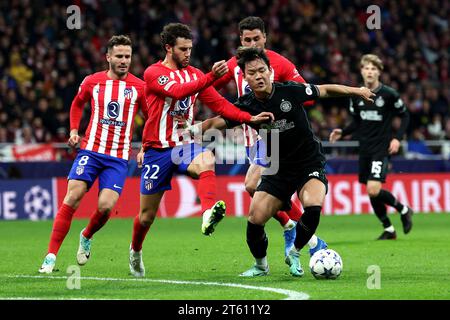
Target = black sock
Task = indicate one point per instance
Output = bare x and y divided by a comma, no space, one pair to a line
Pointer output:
307,226
380,211
389,199
257,240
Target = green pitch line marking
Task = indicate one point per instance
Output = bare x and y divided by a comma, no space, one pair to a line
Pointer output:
290,294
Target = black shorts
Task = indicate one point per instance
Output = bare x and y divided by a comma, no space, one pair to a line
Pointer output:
285,183
373,168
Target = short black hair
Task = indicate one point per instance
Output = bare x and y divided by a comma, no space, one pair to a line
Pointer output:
120,40
251,23
247,54
172,31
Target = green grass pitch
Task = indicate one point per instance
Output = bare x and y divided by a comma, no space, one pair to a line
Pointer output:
182,264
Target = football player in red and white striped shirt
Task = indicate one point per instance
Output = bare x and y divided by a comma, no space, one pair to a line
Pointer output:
252,34
172,87
115,96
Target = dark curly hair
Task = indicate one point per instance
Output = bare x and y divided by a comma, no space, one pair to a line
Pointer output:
172,31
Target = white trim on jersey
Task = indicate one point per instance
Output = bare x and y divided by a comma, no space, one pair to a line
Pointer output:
105,127
118,129
163,123
169,85
130,121
96,107
191,110
175,137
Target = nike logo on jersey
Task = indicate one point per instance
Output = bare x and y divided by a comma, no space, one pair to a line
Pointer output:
116,186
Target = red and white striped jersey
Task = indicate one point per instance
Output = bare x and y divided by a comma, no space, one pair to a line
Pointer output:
171,94
114,104
282,70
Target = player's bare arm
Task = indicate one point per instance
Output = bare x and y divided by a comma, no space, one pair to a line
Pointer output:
220,123
337,90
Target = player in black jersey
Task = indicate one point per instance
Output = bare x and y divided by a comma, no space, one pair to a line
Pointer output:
372,125
300,158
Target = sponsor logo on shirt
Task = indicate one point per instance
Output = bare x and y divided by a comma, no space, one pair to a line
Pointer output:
113,122
371,115
281,125
113,109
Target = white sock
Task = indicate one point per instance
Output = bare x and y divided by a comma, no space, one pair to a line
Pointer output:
390,229
312,243
404,210
289,225
262,262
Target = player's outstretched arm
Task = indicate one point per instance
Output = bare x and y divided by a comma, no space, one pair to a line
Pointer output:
337,90
220,123
262,117
211,123
156,82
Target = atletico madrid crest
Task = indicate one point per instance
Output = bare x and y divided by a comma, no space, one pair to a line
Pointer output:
128,93
148,184
80,170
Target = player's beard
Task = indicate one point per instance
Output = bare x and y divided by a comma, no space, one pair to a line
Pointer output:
180,63
117,71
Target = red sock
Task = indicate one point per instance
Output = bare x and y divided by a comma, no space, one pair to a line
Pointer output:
139,233
282,217
207,189
295,213
61,227
96,222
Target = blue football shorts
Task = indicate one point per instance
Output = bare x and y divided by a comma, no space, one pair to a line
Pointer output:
89,165
257,154
159,165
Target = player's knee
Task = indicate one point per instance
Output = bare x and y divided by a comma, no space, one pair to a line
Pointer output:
207,162
105,207
250,188
73,197
206,166
146,217
312,199
255,218
373,191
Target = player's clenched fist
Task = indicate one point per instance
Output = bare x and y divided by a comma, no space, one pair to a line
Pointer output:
74,139
220,68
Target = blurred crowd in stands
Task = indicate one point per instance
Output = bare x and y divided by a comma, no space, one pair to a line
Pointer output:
42,62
